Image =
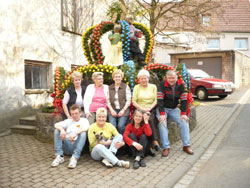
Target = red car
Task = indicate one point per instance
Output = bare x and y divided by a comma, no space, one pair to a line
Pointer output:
203,85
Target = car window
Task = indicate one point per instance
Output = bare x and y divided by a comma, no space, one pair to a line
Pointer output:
196,73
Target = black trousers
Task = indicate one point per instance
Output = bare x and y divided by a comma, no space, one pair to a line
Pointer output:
135,52
143,141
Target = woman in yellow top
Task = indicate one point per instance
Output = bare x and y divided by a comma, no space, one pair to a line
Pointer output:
106,148
145,99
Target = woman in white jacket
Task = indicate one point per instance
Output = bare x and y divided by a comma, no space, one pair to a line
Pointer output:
96,96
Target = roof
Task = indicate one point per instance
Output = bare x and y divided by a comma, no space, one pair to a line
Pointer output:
235,17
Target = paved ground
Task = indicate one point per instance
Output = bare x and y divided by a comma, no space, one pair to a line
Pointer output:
25,162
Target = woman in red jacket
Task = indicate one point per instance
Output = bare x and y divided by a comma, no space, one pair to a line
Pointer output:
136,136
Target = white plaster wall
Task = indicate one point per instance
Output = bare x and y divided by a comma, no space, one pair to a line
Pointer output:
31,29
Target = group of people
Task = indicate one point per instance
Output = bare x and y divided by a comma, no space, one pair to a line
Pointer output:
101,113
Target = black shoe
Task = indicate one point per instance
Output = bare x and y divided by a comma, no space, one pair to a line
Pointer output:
157,148
136,165
151,153
142,163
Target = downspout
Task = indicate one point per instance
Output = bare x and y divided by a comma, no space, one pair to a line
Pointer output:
231,66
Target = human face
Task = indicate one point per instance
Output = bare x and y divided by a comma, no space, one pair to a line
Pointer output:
143,80
99,81
138,118
101,119
171,79
77,82
75,114
117,78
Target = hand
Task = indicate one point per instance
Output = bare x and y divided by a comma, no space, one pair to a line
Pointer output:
119,144
146,117
162,118
108,142
62,134
184,117
111,38
72,137
88,114
120,114
138,146
113,113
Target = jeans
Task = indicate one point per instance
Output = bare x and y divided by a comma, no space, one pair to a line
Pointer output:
143,141
100,151
70,148
118,122
173,114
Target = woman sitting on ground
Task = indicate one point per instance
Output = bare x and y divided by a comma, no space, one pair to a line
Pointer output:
136,137
96,96
102,145
74,95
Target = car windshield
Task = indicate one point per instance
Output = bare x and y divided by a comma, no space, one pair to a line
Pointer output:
197,73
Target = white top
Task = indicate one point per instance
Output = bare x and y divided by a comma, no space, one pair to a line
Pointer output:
116,100
79,100
71,126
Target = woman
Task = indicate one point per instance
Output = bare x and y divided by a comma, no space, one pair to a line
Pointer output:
73,95
105,148
145,99
119,101
136,136
95,97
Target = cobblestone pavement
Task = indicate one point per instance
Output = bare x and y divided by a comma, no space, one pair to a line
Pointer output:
25,161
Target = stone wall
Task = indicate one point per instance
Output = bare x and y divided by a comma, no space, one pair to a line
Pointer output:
46,121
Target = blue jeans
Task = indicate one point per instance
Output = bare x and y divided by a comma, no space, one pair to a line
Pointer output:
69,148
173,114
100,151
118,122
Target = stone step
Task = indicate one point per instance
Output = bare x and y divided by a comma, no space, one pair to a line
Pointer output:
24,129
29,120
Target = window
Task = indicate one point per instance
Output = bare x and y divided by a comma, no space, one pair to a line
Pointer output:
77,15
213,43
241,43
206,21
36,74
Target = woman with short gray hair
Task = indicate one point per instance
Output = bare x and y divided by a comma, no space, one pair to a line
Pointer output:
145,99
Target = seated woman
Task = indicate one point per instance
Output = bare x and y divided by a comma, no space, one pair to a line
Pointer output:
101,144
136,136
145,99
95,97
73,95
119,101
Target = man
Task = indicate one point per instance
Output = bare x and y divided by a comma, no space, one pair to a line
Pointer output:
70,136
170,92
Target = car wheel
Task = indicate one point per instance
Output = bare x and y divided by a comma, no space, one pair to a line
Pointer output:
222,96
201,93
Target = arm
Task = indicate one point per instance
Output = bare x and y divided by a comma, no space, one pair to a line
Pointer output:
112,111
88,99
128,101
65,102
61,126
183,98
147,130
91,137
126,133
160,100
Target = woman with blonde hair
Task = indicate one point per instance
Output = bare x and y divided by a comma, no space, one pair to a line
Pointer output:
104,141
74,95
96,96
119,101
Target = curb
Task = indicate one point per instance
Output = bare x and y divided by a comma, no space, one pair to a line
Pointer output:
188,163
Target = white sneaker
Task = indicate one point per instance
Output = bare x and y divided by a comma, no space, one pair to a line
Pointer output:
72,162
58,160
107,163
125,164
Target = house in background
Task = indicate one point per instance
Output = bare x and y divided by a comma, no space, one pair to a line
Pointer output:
220,52
36,36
